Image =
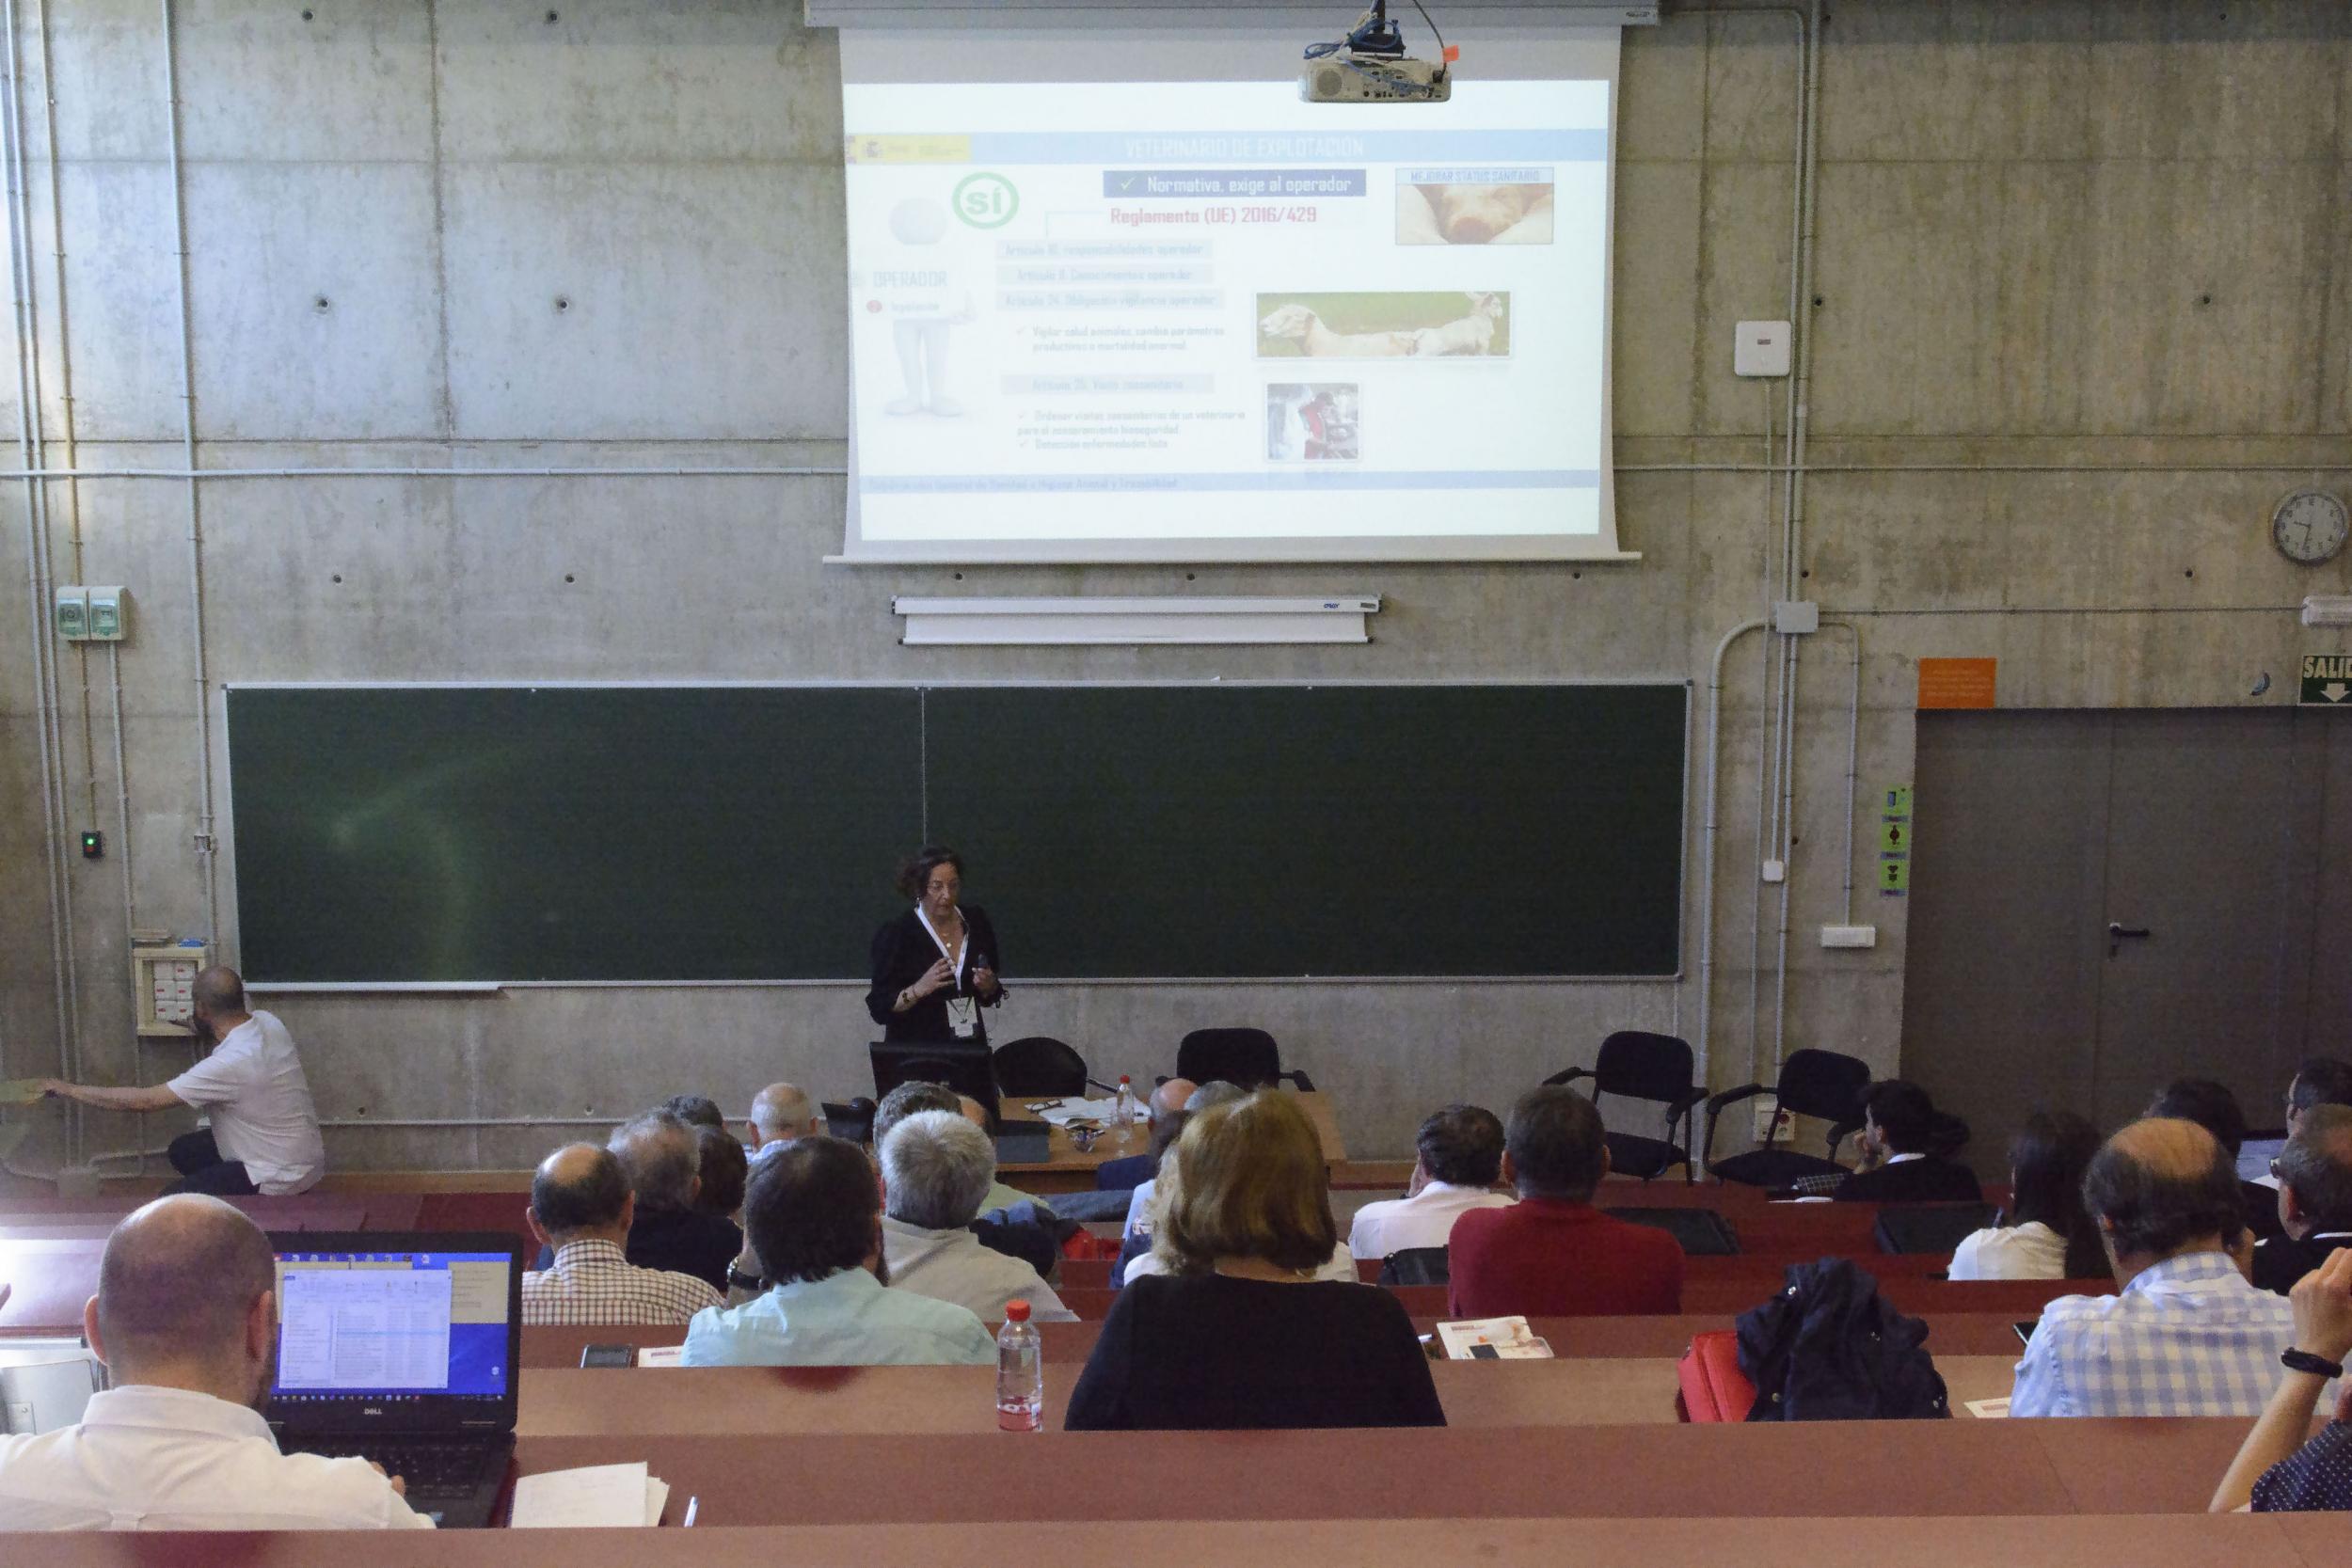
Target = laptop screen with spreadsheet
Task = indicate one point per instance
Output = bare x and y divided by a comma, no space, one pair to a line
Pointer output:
367,1323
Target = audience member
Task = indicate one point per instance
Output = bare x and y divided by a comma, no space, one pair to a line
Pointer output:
2045,1233
1239,1332
2314,1172
815,1216
999,1197
1135,1237
780,1112
936,1167
722,1168
1552,1253
1459,1159
185,1319
695,1110
2277,1471
264,1132
662,1158
1032,1234
581,1207
2318,1080
2187,1336
1897,1122
1168,1106
2213,1107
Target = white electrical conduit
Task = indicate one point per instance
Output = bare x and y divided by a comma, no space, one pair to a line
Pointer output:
1706,840
206,843
44,668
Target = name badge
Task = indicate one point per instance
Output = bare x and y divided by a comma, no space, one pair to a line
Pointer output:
964,1015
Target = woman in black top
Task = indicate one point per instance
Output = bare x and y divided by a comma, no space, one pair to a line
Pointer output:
1238,1332
935,966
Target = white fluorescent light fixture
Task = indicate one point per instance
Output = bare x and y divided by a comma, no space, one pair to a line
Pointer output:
2327,609
1002,623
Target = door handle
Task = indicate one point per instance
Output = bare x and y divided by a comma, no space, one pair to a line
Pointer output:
2119,934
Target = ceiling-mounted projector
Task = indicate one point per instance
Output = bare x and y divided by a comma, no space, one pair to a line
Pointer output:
1370,66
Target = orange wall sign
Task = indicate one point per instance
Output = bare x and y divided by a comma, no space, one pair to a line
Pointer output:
1956,682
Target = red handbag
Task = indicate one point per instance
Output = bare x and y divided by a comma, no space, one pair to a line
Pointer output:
1713,1388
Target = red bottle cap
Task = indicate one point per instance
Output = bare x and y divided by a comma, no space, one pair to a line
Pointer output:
1017,1311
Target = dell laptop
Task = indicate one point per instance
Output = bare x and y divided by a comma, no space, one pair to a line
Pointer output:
402,1347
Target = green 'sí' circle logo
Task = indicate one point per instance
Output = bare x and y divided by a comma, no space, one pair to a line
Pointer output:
986,200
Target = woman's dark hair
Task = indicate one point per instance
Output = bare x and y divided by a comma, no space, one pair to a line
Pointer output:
2210,1105
915,872
2047,1158
724,1168
810,1211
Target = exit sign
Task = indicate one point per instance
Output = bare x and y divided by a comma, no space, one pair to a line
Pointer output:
2328,680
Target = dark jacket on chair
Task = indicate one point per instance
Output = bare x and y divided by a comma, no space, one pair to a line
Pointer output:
1926,1180
1829,1348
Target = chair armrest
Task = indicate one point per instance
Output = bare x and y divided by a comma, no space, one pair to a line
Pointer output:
1568,1077
1306,1084
1684,1101
1715,1106
1838,1134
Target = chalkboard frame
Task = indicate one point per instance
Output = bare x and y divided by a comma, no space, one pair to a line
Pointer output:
226,829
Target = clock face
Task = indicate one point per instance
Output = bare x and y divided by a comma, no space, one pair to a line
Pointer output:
2310,527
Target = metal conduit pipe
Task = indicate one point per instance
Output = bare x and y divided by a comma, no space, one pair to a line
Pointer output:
1706,840
1854,755
614,1121
206,844
43,656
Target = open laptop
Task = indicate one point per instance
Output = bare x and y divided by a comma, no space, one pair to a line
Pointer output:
403,1347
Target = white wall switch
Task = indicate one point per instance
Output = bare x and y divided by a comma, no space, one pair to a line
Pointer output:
1760,349
1775,871
108,607
1768,1116
1850,936
74,614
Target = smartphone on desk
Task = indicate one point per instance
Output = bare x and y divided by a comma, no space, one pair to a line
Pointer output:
609,1355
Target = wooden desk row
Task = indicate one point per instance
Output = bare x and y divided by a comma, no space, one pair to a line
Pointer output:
907,1401
1069,1344
2270,1541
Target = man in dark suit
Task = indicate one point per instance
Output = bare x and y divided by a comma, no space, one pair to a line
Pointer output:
2314,1172
1897,1120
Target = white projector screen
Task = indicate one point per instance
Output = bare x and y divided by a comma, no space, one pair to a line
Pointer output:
1126,297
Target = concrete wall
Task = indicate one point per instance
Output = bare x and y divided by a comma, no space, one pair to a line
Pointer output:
2102,241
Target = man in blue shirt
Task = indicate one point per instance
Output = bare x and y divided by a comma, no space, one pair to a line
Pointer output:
2188,1335
814,1213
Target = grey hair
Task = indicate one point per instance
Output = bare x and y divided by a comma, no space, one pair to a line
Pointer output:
1216,1091
660,1156
2317,1163
936,1170
781,1108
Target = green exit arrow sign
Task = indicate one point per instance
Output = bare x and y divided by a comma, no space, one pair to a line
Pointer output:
2328,680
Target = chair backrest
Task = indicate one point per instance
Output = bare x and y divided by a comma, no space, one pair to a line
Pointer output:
1825,1084
1416,1265
1642,1065
1247,1057
852,1119
1947,1136
1039,1064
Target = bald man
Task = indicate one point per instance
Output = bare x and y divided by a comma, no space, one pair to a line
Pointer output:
780,1112
1126,1174
185,1319
2187,1336
581,1208
264,1133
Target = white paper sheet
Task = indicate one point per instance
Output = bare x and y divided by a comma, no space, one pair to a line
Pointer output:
597,1495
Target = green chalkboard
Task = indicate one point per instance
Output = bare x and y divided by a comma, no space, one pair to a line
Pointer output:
741,833
568,833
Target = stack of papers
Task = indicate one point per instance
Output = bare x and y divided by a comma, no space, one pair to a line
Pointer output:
1104,1110
1493,1339
598,1494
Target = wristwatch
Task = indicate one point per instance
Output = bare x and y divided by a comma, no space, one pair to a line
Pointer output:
2304,1361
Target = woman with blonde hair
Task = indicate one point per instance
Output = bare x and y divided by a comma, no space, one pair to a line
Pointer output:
1237,1330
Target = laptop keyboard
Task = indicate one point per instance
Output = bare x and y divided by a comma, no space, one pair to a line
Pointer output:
431,1469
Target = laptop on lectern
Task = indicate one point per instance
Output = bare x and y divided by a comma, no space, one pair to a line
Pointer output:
403,1347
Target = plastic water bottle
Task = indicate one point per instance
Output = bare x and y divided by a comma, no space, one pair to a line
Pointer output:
1125,1114
1020,1371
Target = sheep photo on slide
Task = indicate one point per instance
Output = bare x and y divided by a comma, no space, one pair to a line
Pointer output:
1419,324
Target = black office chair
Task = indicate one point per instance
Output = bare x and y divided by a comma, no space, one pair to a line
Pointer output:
1416,1265
1038,1064
851,1119
1819,1083
1246,1058
1656,1067
1936,1228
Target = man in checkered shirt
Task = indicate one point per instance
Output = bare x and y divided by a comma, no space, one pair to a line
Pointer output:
2188,1335
581,1206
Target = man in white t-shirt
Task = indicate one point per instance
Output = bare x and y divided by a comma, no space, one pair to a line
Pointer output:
185,1319
1460,1158
264,1133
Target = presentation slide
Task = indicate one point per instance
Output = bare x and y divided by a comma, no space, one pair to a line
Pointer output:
1191,321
